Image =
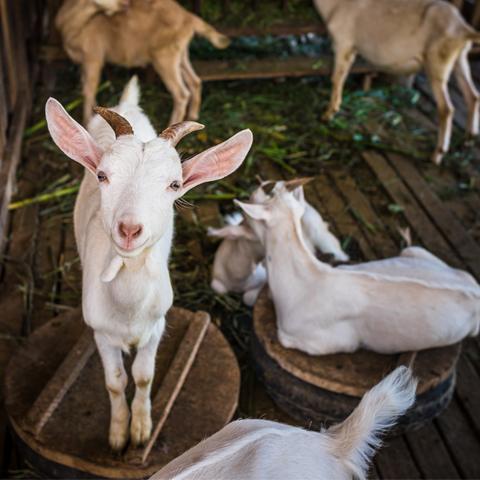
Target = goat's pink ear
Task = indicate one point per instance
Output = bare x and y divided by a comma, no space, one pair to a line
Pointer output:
70,137
299,195
216,162
232,232
254,210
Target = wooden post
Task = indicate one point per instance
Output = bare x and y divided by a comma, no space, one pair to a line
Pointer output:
476,15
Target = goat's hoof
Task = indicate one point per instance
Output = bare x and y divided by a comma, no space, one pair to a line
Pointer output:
470,139
118,436
437,156
328,115
140,429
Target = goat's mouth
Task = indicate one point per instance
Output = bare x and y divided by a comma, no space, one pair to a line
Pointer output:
129,252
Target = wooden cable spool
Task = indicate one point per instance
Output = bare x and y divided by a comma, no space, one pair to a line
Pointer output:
59,409
318,390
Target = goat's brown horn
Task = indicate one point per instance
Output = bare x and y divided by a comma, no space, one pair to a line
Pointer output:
119,124
174,133
297,182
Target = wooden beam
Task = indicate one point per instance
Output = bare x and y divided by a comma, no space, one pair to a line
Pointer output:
60,383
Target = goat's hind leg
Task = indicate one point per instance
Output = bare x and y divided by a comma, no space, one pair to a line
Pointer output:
194,84
91,71
463,76
439,64
143,370
344,58
168,65
116,382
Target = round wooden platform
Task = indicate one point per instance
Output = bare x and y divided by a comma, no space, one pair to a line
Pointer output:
320,389
59,409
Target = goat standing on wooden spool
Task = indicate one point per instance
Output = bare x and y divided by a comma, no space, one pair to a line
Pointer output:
123,228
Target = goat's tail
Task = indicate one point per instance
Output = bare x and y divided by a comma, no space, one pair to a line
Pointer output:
204,29
131,92
357,438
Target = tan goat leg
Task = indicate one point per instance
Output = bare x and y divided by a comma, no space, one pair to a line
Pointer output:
344,58
168,66
463,76
91,71
439,64
194,84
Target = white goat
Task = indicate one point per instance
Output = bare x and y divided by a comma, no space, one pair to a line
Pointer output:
123,227
404,37
411,302
238,264
260,449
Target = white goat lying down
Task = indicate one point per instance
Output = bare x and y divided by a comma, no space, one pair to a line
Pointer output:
404,37
238,264
411,302
123,228
260,449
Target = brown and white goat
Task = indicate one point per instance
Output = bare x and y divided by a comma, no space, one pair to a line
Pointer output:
135,33
404,37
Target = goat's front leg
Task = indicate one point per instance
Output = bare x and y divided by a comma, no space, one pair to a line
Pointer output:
91,71
143,370
470,94
344,58
116,381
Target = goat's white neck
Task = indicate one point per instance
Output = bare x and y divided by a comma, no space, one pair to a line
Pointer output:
287,254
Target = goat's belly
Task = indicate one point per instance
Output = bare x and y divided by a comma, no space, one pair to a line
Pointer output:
399,66
418,325
128,58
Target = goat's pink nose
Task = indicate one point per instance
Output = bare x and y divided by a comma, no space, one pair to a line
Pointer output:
128,230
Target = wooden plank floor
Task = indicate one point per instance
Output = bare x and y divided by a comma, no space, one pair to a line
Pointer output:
356,200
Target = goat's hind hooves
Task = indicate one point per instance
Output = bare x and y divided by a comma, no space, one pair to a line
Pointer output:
438,155
328,115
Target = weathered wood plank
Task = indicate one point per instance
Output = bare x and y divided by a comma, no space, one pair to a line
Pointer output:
430,454
59,384
468,390
395,461
460,439
418,219
361,209
468,250
338,212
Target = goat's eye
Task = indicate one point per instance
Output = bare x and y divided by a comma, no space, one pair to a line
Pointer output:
101,176
175,185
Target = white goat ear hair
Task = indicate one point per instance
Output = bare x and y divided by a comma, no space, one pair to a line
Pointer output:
254,210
